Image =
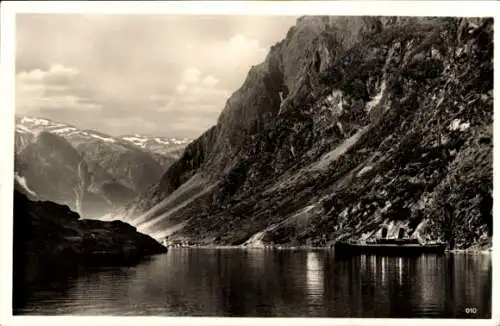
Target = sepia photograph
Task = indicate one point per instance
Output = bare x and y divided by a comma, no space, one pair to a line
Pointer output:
251,165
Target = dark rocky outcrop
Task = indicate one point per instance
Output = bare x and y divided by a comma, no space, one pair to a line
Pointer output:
50,238
350,124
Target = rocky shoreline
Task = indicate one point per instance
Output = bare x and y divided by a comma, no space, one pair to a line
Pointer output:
471,250
51,240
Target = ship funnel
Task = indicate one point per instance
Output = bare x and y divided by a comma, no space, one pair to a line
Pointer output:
401,233
384,233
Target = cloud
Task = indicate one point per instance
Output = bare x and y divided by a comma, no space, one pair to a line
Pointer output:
57,88
231,59
159,97
210,81
196,99
182,88
164,104
190,124
31,76
127,122
205,95
191,75
57,74
170,72
198,93
242,53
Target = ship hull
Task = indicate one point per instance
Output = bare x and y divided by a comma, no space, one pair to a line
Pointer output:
343,248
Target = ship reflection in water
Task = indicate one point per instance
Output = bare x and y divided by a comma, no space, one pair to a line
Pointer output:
284,283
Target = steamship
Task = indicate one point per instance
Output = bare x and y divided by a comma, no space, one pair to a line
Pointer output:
398,246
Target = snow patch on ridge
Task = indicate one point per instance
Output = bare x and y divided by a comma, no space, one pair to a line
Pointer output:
377,98
109,140
458,125
22,182
23,129
63,130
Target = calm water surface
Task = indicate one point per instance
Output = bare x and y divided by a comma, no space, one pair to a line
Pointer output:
286,283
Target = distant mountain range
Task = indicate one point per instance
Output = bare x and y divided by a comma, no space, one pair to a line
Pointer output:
91,172
162,145
27,126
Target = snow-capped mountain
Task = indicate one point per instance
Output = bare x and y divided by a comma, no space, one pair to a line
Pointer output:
119,168
28,126
142,141
161,145
33,125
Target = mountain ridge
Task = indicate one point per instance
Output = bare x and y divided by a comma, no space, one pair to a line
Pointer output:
31,125
348,125
66,164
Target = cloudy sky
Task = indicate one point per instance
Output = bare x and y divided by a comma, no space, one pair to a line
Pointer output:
167,75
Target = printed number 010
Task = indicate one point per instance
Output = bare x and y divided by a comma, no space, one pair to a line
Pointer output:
471,310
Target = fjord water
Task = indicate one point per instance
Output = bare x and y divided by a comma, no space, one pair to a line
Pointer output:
275,283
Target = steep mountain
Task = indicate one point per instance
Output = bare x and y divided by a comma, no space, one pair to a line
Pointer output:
350,124
163,150
50,168
49,237
91,172
162,145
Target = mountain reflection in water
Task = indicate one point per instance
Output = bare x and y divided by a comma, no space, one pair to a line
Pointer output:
283,283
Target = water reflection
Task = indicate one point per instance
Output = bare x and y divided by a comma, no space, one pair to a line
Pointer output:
383,272
314,274
400,270
206,282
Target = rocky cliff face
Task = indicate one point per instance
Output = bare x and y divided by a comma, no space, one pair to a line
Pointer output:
50,168
349,125
91,172
49,236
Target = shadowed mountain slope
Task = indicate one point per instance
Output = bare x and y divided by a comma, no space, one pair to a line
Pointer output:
92,172
349,125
